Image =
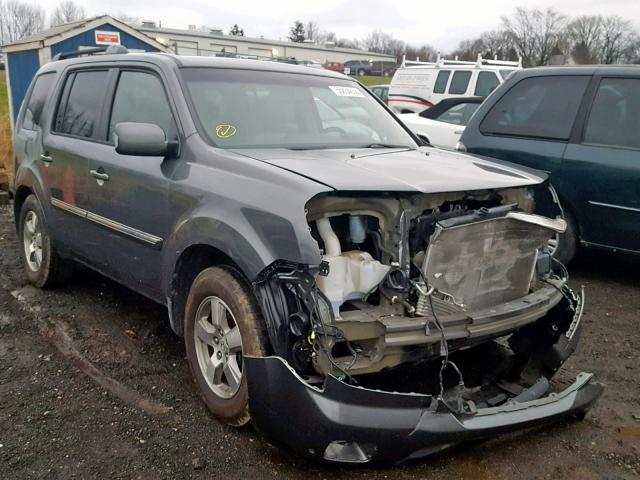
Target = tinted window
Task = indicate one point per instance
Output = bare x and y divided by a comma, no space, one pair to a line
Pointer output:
615,114
140,98
459,114
80,114
487,82
441,81
537,107
38,97
459,82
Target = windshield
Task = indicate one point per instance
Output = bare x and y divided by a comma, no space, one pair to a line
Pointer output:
249,108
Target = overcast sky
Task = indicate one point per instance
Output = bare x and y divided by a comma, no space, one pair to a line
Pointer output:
436,22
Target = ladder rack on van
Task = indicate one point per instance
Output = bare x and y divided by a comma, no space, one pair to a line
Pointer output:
480,62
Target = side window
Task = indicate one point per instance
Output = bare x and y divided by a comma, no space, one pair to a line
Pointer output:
140,98
615,114
80,114
459,114
487,82
543,107
38,98
441,81
460,82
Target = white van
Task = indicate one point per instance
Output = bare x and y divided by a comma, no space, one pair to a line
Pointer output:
420,85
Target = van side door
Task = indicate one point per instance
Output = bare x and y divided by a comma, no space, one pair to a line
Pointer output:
129,194
603,161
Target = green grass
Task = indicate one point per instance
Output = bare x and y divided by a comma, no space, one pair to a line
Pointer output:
4,101
370,80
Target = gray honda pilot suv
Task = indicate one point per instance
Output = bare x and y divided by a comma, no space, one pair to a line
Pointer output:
342,286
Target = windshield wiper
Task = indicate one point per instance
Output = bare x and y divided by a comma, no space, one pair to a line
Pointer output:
386,145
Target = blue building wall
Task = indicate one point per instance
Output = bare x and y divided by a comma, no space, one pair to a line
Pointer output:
88,39
22,68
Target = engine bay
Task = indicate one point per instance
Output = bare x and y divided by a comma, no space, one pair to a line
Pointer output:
407,278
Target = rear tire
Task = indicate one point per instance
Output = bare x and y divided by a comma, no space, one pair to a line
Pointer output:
222,324
42,263
361,72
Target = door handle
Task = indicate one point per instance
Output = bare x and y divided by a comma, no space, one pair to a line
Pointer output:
99,175
46,158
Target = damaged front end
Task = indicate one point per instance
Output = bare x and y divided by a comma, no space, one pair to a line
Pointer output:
380,351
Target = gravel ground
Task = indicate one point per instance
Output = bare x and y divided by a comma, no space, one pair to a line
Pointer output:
93,384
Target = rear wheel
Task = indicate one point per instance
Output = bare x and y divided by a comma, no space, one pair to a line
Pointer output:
43,266
222,324
361,72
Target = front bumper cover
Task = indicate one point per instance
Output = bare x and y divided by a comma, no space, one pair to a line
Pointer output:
345,423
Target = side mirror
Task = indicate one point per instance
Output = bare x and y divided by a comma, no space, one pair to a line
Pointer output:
141,139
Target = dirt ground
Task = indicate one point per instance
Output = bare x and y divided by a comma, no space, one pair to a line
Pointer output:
93,384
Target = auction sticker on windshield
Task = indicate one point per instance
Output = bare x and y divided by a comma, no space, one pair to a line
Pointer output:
225,131
346,91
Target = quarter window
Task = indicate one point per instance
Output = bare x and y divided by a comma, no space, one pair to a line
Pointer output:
459,114
615,115
487,82
140,98
441,81
80,114
542,107
460,82
38,97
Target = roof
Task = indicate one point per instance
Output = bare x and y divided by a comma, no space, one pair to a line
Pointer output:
61,32
194,61
264,41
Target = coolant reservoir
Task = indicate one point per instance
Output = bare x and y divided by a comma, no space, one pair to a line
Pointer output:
351,276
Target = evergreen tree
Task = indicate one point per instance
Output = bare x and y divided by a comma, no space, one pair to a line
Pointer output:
296,33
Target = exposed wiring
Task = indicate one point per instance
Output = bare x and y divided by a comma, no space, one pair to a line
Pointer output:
444,347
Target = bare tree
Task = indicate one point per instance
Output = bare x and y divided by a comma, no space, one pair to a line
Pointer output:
618,37
312,30
128,19
585,35
425,53
66,12
18,20
381,42
535,34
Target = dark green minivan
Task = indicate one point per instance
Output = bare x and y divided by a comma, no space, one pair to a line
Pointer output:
582,125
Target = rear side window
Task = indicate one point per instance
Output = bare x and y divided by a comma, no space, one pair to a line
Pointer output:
459,114
615,114
460,82
487,82
35,105
80,114
543,107
140,98
441,82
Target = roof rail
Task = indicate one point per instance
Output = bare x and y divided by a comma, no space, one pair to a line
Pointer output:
441,62
110,50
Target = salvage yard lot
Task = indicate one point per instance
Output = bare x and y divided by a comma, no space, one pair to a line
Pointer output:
93,384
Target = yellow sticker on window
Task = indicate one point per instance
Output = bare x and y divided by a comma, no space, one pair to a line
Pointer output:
225,131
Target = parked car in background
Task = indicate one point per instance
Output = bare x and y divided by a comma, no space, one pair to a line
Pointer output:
310,63
357,67
443,124
304,244
334,66
383,69
381,91
580,124
419,85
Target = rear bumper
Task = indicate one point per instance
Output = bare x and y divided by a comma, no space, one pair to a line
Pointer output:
345,423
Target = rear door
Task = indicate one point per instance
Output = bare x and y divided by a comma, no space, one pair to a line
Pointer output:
128,194
74,137
604,164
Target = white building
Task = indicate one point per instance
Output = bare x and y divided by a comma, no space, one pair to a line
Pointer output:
207,41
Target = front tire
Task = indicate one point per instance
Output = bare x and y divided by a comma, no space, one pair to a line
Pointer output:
565,245
222,324
42,264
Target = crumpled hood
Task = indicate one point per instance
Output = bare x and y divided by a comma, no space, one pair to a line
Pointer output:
427,170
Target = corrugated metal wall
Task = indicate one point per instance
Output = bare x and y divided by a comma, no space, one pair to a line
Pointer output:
22,68
87,39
